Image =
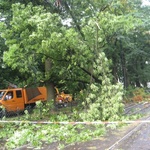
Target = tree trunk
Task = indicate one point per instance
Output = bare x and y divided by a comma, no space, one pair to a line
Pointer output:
115,74
123,66
49,84
137,82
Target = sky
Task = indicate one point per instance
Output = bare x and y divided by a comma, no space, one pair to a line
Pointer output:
146,2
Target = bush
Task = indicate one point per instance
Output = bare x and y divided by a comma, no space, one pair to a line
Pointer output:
136,94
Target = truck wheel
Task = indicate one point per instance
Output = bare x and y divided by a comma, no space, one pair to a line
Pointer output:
0,113
3,113
30,107
65,104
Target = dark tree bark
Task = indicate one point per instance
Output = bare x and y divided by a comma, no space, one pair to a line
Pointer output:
49,84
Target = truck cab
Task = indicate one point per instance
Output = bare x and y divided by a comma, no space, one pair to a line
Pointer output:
12,99
19,99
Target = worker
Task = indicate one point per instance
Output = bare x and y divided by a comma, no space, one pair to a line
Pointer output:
8,96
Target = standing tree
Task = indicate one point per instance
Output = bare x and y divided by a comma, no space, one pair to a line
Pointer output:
30,38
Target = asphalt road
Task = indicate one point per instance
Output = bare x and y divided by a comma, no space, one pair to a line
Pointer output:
139,140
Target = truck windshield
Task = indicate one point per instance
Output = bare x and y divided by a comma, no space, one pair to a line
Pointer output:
1,94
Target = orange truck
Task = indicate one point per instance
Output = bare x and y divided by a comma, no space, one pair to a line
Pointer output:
19,99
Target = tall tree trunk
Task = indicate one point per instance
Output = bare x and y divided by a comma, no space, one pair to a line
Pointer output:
123,66
137,81
115,74
49,84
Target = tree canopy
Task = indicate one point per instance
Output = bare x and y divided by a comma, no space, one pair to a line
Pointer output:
69,35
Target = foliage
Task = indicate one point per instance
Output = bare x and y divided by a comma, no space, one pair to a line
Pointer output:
105,25
36,36
21,38
136,94
78,52
37,134
104,102
49,134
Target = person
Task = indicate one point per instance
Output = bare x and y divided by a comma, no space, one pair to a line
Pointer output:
8,96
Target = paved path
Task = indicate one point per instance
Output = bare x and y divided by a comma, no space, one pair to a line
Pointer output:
139,140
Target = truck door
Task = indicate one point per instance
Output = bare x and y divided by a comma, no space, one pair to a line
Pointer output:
13,100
